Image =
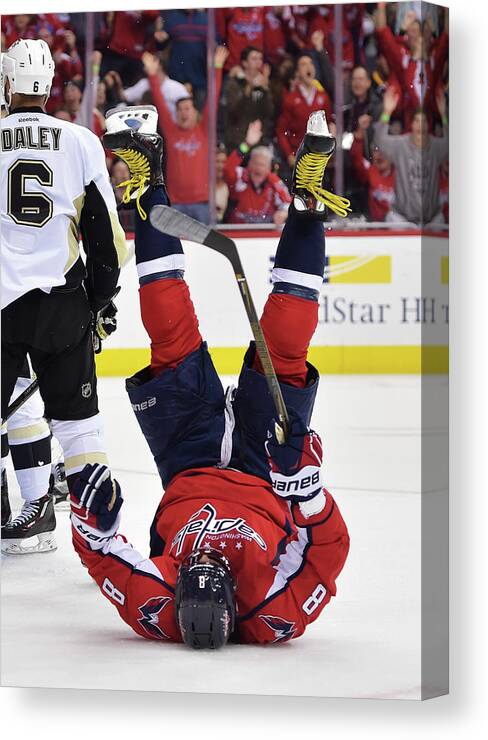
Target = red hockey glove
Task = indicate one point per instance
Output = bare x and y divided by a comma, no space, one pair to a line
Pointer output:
296,466
95,503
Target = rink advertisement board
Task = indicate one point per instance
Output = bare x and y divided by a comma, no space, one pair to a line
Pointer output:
383,305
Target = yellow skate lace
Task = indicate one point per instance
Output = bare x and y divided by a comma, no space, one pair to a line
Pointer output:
309,176
140,170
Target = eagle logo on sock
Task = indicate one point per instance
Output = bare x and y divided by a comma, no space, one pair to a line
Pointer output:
283,629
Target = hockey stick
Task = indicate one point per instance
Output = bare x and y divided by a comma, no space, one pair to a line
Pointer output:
172,222
20,400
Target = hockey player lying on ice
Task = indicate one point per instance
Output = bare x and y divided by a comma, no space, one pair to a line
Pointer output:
246,544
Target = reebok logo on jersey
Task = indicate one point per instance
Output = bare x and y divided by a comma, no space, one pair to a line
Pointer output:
205,521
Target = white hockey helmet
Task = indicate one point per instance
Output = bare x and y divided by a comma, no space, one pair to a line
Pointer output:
29,68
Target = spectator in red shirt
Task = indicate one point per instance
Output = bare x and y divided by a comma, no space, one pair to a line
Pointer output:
378,176
276,33
72,96
238,28
418,69
298,104
221,187
324,21
186,142
68,66
73,109
258,195
127,38
16,27
300,17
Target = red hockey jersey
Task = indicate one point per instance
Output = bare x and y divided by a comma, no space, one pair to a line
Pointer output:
381,188
129,30
187,149
253,205
294,117
238,28
285,566
418,78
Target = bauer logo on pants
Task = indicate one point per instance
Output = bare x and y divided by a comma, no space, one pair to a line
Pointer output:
86,390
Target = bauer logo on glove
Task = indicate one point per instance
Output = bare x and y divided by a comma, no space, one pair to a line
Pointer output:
296,466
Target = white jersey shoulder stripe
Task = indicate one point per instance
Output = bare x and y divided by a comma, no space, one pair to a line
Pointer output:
289,563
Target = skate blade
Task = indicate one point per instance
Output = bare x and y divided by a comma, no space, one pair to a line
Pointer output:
45,543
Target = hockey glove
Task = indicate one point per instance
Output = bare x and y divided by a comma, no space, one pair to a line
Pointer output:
95,501
104,324
296,465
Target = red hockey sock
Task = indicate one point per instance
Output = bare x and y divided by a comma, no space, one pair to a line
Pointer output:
288,323
169,318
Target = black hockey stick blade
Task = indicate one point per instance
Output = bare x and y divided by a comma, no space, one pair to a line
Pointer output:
20,400
172,222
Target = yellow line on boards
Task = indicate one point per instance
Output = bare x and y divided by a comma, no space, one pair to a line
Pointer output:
329,360
444,270
374,270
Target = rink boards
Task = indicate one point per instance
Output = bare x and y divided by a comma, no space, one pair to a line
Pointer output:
383,305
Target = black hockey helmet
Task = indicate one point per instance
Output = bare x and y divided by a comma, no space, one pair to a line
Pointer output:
204,599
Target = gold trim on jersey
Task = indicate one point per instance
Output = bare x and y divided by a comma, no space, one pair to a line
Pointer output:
73,243
120,243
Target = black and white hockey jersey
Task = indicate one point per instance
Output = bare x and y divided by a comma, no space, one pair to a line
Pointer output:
54,183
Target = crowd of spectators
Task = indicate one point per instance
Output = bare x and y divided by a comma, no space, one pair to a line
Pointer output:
273,66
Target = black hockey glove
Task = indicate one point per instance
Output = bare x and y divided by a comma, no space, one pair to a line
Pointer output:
104,323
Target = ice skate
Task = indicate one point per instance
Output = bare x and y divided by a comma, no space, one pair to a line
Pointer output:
131,135
309,195
6,511
59,488
32,530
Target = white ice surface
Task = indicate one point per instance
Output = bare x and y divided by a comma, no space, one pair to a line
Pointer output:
58,631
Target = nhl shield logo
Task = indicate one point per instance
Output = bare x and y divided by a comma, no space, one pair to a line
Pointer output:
86,390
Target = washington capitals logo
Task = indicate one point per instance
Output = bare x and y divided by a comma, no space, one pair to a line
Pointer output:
283,629
190,146
150,616
251,29
205,522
